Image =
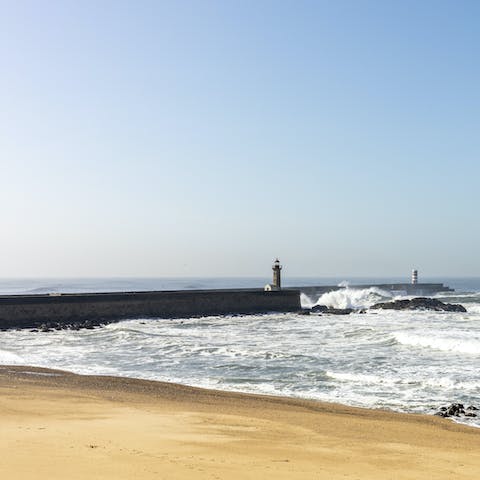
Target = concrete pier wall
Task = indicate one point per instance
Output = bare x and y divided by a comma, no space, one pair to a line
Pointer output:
418,289
27,311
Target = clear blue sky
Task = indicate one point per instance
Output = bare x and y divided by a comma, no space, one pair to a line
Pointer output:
204,138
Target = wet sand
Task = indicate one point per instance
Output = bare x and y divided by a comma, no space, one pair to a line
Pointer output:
57,425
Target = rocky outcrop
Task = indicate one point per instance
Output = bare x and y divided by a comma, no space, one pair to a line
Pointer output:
81,324
331,311
319,309
420,303
457,410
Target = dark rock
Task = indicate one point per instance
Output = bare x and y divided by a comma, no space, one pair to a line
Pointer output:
420,303
339,311
303,312
330,310
456,410
319,308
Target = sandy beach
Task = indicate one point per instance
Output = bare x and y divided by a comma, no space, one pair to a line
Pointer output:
57,425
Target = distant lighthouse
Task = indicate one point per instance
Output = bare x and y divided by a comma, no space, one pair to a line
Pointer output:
414,277
276,267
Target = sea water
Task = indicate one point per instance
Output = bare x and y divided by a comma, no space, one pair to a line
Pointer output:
404,361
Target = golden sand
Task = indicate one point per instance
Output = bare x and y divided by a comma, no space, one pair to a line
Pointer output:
67,426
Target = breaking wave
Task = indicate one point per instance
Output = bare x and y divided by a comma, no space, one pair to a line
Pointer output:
348,298
398,381
447,344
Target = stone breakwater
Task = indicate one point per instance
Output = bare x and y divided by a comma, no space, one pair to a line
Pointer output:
57,311
78,310
419,289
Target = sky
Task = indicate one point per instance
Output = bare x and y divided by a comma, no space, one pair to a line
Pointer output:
206,138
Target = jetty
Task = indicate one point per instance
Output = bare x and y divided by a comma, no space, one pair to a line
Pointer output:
30,311
418,289
72,310
412,288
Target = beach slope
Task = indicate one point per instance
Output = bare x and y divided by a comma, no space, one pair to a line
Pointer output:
57,425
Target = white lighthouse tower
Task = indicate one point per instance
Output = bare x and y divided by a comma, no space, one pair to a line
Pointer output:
414,277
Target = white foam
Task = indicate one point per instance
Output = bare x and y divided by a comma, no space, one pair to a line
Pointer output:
433,340
472,308
306,301
10,358
355,377
41,374
386,359
352,297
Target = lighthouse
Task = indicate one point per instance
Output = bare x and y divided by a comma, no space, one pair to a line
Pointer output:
276,267
277,283
414,277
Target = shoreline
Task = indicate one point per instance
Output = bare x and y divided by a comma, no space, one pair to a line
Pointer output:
64,425
99,384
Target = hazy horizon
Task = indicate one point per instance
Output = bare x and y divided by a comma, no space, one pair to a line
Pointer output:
204,139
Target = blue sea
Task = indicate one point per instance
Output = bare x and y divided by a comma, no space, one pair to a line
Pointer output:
403,361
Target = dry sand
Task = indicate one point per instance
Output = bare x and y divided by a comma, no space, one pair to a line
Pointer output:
67,426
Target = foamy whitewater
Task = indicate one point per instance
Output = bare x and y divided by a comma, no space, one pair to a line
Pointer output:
405,361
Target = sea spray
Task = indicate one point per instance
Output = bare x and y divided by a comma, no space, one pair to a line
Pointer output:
347,298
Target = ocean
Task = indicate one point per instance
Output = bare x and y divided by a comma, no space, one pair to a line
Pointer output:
402,361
